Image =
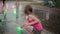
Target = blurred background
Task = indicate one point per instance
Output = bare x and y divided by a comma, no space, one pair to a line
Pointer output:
46,10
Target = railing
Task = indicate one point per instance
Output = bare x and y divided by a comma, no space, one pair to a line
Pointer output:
44,8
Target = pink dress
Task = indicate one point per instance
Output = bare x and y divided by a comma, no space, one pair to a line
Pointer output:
38,26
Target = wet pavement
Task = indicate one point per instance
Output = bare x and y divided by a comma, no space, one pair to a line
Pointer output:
11,24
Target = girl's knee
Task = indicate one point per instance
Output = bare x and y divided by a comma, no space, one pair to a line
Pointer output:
26,27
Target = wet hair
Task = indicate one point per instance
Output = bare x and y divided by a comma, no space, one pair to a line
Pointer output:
28,9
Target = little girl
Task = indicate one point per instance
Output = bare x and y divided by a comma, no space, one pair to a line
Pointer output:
32,20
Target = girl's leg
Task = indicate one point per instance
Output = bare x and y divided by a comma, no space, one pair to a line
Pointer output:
29,30
36,32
